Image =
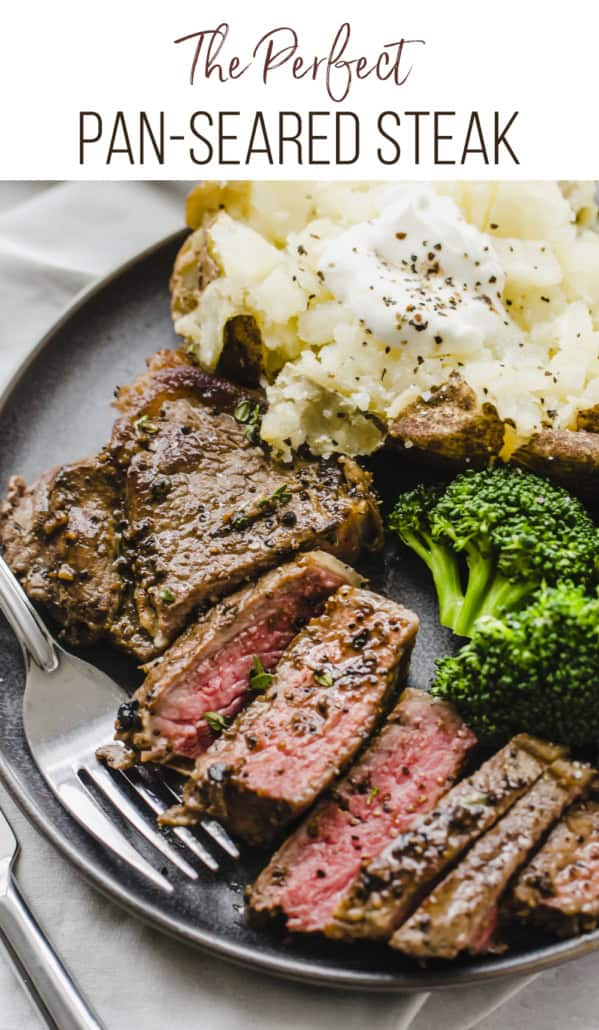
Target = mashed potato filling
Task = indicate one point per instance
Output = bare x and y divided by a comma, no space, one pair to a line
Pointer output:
368,295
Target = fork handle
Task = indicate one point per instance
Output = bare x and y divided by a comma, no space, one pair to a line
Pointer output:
25,622
45,978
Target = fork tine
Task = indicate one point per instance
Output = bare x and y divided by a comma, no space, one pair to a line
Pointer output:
82,805
220,835
210,826
104,782
158,807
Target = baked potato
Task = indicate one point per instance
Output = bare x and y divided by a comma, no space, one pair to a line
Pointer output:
447,425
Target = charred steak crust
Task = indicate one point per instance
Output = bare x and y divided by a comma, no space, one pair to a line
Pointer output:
207,668
461,914
415,758
182,508
559,890
329,691
171,373
388,889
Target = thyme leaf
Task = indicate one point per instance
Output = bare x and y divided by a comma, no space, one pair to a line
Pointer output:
259,679
144,425
216,721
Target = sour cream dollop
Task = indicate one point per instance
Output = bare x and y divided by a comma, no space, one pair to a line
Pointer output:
419,274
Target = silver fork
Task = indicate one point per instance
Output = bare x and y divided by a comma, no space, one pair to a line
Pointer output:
69,709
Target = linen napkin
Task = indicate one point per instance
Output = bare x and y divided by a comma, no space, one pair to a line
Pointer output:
55,238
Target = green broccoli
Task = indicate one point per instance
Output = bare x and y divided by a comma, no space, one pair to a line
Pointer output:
410,520
534,671
515,531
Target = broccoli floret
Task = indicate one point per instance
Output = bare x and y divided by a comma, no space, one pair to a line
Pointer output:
516,532
534,671
410,520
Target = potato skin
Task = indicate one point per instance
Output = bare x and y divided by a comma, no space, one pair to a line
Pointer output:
207,198
588,420
194,268
568,457
193,271
448,430
451,430
449,427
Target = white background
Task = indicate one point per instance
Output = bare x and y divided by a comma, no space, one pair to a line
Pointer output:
59,58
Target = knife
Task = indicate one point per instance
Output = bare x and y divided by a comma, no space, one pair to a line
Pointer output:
44,977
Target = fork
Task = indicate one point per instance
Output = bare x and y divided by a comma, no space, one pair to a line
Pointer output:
69,709
46,980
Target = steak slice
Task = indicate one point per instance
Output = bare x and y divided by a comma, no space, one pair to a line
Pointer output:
62,538
329,691
404,771
461,914
207,669
182,508
559,890
210,509
388,889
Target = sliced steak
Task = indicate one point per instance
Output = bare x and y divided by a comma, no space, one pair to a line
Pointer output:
62,537
209,509
183,507
388,889
559,890
329,691
207,669
404,771
461,914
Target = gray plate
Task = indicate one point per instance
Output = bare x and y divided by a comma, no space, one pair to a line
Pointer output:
58,408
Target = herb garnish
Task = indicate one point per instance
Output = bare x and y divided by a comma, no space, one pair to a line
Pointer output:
372,793
167,596
144,425
249,417
216,721
240,520
324,678
281,496
259,679
242,411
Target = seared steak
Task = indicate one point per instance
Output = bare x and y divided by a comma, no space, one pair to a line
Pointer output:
414,760
389,888
461,914
209,509
559,889
63,538
183,507
328,693
207,669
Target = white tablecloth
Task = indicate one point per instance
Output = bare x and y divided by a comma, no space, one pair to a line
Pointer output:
54,239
